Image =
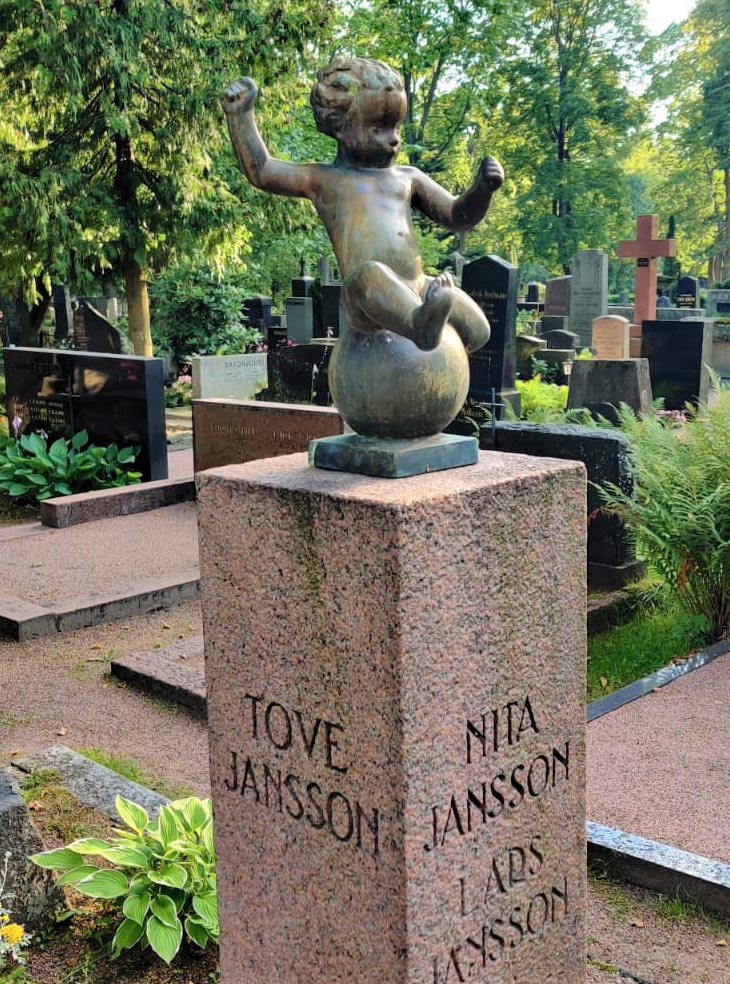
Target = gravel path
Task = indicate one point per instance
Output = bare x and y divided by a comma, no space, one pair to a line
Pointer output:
659,767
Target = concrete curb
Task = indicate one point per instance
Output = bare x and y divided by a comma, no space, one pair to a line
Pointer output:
660,867
92,784
22,620
87,507
156,673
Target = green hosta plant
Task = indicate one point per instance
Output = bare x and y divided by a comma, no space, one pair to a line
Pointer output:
31,471
162,874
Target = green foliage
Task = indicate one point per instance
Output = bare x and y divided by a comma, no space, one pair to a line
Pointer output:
179,393
31,471
658,630
680,516
195,313
161,875
541,402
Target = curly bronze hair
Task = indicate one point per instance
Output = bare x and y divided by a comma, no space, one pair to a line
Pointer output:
335,92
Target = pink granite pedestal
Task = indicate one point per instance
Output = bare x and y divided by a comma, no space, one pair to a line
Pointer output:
396,693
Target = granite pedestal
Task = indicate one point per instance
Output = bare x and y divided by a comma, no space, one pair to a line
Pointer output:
396,676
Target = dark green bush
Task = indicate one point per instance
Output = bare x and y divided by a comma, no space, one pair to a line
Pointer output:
31,471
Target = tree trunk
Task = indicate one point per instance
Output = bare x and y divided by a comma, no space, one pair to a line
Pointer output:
138,307
726,243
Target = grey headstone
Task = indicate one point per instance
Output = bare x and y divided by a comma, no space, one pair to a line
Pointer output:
588,292
718,303
237,377
561,339
300,318
32,896
601,385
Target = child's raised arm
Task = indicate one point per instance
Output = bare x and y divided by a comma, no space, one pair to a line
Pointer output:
462,213
261,169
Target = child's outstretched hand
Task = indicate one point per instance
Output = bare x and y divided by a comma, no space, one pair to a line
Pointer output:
240,96
492,173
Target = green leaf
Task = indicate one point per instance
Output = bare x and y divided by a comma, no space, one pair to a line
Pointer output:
165,910
75,875
16,490
136,907
126,455
104,884
127,856
58,451
129,933
59,860
197,932
167,825
133,815
90,845
61,488
173,875
79,439
206,906
164,940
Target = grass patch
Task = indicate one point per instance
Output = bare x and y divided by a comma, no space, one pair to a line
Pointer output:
129,767
676,910
649,640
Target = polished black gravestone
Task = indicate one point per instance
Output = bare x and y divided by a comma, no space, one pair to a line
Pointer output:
492,283
299,374
117,399
94,332
680,356
688,292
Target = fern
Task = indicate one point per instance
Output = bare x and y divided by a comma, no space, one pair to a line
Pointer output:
680,516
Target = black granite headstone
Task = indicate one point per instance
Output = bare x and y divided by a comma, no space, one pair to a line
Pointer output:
559,339
688,292
680,356
63,311
93,332
330,313
298,374
117,399
492,283
257,311
533,293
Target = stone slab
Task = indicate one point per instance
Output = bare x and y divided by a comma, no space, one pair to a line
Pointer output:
601,385
161,672
87,507
588,291
610,339
91,783
421,620
393,459
238,377
235,431
30,893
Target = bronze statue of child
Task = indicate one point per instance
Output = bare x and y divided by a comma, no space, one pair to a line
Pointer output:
401,366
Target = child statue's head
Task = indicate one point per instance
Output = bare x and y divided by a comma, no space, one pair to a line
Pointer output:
361,103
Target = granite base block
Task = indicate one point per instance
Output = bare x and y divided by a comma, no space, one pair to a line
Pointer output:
384,458
398,779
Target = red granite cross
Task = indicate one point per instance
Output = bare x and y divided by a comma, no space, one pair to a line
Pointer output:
646,248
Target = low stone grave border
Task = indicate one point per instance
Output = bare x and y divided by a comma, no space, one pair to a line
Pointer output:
87,507
667,674
22,620
157,672
628,858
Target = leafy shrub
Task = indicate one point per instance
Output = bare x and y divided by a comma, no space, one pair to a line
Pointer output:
542,402
680,516
30,471
162,875
194,313
179,393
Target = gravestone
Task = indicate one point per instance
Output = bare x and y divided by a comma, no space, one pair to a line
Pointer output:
561,339
331,311
302,285
299,318
398,781
492,283
533,293
63,311
688,292
680,356
557,296
299,373
588,292
528,347
718,303
601,385
106,306
237,376
611,337
228,432
663,301
30,891
721,350
93,332
117,399
554,322
646,248
611,553
257,312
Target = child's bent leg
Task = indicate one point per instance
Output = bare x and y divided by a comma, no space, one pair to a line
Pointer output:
376,298
469,321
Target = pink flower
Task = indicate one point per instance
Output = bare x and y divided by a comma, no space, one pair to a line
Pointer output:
16,424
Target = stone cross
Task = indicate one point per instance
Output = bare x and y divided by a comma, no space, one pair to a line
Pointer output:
646,248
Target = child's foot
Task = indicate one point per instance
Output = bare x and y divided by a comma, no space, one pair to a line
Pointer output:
430,318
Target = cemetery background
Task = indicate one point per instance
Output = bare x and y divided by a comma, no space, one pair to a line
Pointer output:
239,312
